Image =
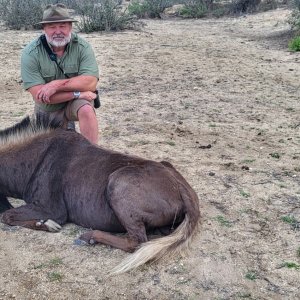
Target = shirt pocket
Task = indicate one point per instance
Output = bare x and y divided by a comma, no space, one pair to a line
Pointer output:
71,70
48,73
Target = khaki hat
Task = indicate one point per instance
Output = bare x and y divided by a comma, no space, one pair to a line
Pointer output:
55,14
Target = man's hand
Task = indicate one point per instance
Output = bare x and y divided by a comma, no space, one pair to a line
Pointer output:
89,96
46,92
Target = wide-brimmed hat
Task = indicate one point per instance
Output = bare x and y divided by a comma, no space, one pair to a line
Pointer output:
56,13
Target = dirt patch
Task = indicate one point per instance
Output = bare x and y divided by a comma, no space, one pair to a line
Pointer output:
220,100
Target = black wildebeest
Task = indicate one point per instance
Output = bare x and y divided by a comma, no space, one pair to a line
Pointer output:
64,178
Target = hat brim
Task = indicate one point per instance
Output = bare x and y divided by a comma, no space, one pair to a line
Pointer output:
57,21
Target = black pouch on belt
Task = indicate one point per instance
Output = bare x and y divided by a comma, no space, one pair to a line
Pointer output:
97,102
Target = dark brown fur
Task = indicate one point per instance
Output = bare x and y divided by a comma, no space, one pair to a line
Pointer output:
63,177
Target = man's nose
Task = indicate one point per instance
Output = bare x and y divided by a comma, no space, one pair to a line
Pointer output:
57,31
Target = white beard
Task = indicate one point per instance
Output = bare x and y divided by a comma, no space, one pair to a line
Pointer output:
59,43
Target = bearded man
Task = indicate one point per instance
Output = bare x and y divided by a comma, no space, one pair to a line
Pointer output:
64,87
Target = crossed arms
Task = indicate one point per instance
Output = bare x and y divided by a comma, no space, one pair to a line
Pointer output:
61,90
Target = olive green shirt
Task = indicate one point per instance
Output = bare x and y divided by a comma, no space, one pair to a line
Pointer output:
37,68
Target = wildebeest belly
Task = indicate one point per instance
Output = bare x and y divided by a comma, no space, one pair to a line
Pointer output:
95,214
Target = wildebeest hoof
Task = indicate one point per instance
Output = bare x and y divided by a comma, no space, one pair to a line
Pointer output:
92,241
88,238
79,242
50,224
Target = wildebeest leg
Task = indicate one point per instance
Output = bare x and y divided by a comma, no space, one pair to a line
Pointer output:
97,236
33,217
4,203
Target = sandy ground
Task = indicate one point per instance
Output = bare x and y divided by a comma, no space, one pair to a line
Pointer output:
220,100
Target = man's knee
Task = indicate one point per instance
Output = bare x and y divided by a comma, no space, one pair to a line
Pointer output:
86,112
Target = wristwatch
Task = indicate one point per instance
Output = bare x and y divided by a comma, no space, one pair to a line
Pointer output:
76,95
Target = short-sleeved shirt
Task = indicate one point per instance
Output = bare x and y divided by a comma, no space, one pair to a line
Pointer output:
37,68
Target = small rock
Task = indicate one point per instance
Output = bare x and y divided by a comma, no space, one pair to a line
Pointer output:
205,146
245,168
156,279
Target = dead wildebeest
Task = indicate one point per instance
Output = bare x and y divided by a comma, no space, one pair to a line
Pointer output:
64,178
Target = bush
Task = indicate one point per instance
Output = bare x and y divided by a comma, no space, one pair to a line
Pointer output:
196,8
106,15
21,14
149,8
294,44
138,9
244,6
94,15
294,19
295,4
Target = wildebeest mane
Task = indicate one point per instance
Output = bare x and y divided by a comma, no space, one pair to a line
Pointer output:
26,128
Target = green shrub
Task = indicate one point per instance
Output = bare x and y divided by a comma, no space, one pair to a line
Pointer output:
138,9
201,8
149,8
294,44
95,15
106,15
196,9
295,4
219,12
21,14
294,19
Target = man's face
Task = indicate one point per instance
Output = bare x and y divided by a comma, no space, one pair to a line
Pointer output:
58,34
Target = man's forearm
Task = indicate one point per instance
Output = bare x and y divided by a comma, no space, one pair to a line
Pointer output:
82,83
58,98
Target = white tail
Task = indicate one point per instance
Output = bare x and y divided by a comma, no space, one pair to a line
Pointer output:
172,244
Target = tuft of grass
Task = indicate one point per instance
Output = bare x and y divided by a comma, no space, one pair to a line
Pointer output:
275,155
295,224
251,275
244,194
56,261
40,266
222,221
55,276
248,161
212,125
289,219
290,265
244,295
170,143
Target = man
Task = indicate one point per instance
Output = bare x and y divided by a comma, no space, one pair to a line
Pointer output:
64,88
